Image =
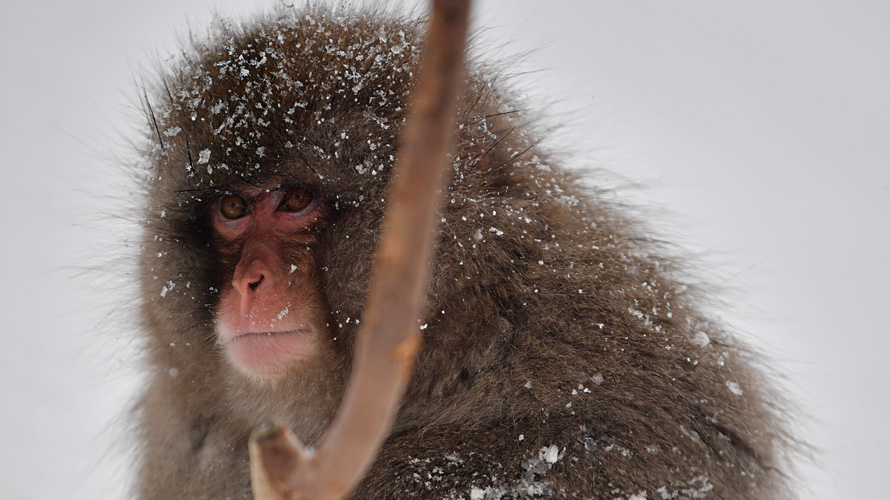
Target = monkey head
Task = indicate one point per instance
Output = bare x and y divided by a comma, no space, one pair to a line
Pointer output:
270,151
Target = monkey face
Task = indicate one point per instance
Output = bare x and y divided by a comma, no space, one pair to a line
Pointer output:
271,315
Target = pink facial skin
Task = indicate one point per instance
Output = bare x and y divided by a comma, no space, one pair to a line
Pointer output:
272,315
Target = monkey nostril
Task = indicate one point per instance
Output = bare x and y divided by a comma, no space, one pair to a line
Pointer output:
255,284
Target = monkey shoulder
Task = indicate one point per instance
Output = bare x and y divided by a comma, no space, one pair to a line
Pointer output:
560,456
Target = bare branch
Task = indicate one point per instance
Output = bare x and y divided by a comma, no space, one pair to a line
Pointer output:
275,453
389,339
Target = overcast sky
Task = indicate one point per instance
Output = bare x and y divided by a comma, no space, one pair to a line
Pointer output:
759,131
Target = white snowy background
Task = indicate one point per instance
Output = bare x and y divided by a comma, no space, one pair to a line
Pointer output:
759,130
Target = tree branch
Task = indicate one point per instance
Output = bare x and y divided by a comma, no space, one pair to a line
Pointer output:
281,468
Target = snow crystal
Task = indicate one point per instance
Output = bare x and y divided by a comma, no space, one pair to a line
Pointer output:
203,156
597,379
701,339
477,493
699,487
734,388
166,289
549,454
284,312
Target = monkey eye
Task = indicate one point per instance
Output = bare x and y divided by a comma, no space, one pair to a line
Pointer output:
233,207
296,200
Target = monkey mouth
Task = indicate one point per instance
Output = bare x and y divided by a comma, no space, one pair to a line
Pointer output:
267,353
261,335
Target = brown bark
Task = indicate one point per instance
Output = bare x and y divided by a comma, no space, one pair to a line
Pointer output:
281,467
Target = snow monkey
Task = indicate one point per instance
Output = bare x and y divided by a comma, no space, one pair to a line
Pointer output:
563,356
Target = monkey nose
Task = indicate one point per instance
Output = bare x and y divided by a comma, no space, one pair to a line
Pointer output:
248,283
253,285
248,288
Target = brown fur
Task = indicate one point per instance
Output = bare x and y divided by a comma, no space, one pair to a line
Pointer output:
562,355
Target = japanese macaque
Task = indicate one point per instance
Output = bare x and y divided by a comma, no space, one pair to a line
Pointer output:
563,357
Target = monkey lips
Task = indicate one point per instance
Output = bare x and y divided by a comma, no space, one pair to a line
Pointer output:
259,348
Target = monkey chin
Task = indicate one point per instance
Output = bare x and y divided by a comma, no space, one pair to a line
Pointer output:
268,355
